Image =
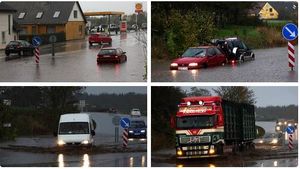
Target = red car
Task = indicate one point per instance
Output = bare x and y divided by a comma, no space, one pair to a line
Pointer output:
110,54
197,57
99,38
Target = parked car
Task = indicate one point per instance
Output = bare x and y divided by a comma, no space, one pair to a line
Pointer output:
137,130
20,47
75,129
135,113
197,57
235,49
99,38
113,28
110,54
144,26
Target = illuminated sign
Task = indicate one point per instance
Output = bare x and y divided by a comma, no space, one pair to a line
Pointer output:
195,109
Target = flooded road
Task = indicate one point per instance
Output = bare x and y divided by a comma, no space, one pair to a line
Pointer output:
39,151
270,65
75,61
262,157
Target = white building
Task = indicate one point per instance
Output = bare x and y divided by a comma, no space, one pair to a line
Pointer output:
6,27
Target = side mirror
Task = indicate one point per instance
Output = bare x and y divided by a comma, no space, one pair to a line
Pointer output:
93,132
123,53
55,133
172,122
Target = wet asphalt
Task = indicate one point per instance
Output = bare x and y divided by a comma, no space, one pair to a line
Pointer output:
270,65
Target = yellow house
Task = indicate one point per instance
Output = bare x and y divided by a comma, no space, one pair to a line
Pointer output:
268,12
45,18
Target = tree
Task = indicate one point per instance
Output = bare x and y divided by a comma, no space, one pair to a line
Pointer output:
195,91
239,94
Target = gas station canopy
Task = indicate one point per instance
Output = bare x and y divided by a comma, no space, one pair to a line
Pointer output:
103,13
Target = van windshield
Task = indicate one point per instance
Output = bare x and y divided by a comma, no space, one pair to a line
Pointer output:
74,128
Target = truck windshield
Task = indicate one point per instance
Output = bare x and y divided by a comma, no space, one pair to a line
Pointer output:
191,122
74,128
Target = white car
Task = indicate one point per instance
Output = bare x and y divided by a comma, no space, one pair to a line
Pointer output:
135,113
75,129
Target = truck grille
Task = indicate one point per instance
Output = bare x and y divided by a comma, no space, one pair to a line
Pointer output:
194,139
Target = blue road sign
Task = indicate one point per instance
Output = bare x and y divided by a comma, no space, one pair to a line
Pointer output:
290,31
125,122
290,129
36,41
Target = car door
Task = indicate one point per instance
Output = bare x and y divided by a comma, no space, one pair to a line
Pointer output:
211,56
220,56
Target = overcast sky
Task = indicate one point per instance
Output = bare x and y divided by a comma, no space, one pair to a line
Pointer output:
121,6
270,96
116,89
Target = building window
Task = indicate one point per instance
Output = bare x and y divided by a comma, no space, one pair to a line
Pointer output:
3,37
34,30
9,24
21,15
39,15
23,31
271,10
75,14
56,14
80,29
50,29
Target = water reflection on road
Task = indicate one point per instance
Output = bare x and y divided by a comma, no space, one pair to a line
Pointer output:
87,160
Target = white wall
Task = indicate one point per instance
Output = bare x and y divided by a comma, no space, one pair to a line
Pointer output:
79,15
4,28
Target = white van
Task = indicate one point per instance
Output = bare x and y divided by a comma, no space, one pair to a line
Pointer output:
135,113
75,129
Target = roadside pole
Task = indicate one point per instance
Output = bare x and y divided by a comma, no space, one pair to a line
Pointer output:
52,40
125,123
37,41
125,138
291,142
290,33
290,131
116,122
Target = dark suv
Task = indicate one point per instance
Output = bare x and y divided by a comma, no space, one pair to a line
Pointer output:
235,49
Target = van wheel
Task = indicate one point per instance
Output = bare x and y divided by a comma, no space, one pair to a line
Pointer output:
253,56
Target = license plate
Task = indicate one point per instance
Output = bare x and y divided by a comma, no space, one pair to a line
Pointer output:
136,134
106,56
182,68
11,48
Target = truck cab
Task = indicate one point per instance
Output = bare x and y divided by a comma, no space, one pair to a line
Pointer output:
75,129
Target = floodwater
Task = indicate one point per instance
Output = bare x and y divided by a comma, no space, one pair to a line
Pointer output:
105,136
75,61
270,65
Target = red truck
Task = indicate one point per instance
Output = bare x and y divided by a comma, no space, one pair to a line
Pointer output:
206,125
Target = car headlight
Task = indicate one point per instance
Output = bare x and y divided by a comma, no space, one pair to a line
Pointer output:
143,131
274,141
193,64
85,142
60,142
130,131
174,64
261,141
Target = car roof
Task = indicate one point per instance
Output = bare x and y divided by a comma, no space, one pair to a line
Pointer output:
203,46
109,48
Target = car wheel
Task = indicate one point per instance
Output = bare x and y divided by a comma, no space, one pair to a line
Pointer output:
204,65
91,44
243,59
253,56
7,54
125,58
21,53
109,43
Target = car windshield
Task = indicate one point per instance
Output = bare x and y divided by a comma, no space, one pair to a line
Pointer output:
194,52
191,122
137,124
74,128
14,43
107,52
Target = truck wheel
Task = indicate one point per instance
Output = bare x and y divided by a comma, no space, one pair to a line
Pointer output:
220,149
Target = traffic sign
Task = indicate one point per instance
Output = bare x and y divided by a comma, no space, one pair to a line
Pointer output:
116,120
52,39
290,129
290,31
125,122
36,41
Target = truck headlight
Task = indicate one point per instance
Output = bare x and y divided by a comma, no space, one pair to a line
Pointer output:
212,149
60,142
143,131
85,142
179,152
130,131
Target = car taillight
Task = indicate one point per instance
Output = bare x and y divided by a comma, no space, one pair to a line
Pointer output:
116,56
